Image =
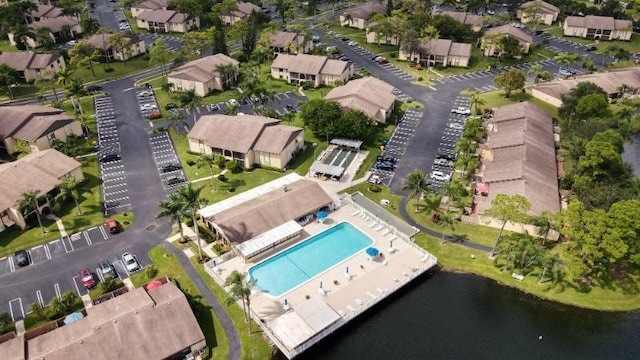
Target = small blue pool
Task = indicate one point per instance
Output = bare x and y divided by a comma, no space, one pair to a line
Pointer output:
292,267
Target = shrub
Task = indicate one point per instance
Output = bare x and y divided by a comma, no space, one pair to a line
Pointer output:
108,70
150,271
222,178
191,162
233,167
420,78
307,85
220,161
375,188
188,221
392,55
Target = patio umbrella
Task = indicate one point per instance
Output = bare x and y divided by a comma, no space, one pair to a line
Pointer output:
322,214
154,284
372,252
72,318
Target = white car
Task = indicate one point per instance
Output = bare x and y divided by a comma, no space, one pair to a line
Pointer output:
461,110
72,42
233,101
145,93
148,107
130,262
440,176
352,43
456,126
443,162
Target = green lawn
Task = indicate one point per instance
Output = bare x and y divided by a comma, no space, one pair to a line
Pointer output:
496,99
617,296
19,91
5,45
633,45
118,70
253,346
14,239
167,265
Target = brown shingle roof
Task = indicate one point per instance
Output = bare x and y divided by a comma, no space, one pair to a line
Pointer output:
26,118
46,11
163,16
152,4
609,82
55,24
445,47
203,69
545,7
246,8
40,170
512,31
256,216
597,22
521,156
310,64
463,17
282,39
367,10
135,325
368,95
460,49
23,60
242,133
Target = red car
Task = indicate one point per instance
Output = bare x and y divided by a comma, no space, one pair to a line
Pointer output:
87,278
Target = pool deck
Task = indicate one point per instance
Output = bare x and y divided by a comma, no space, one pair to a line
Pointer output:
313,313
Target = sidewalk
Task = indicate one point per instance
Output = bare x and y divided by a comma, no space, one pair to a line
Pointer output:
190,234
63,232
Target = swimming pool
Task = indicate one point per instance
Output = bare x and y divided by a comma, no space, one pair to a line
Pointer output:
292,267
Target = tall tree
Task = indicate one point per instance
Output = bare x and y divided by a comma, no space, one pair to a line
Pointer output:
159,54
69,188
47,79
190,101
428,34
536,70
64,304
509,81
448,222
84,53
28,202
240,288
8,76
219,37
228,74
173,209
191,201
416,182
285,10
20,34
43,37
506,208
208,160
475,100
64,75
121,44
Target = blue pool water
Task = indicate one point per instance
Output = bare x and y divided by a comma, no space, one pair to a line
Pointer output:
290,268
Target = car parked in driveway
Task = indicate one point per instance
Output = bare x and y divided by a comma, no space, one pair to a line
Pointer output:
130,262
107,270
440,176
86,277
22,258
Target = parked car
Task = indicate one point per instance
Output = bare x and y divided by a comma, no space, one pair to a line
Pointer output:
456,126
72,42
113,226
232,101
170,106
107,269
108,157
87,278
383,61
242,102
375,179
154,115
290,108
213,107
461,110
384,158
592,48
383,165
148,106
22,258
446,155
345,39
352,43
443,162
145,93
440,176
171,167
174,180
130,262
93,88
566,72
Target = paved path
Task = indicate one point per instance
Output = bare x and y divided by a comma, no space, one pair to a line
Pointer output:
228,325
451,239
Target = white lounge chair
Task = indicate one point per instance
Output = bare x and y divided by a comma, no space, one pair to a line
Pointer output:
372,295
359,302
342,313
386,231
380,291
373,223
425,257
351,308
391,250
347,276
357,212
379,227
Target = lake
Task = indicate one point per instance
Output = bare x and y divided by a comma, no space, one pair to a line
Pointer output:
459,316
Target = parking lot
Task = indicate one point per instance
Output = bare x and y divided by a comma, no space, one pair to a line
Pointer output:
173,43
121,18
165,157
114,182
396,146
147,103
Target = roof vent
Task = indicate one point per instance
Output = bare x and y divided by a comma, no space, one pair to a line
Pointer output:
284,188
115,321
97,327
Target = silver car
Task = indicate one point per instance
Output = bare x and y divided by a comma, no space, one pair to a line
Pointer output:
130,262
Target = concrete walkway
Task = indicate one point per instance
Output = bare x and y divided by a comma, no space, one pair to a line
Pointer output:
63,231
451,239
228,325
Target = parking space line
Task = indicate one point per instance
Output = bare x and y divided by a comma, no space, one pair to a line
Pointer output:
39,297
56,288
104,233
12,265
64,244
47,252
86,238
76,285
11,308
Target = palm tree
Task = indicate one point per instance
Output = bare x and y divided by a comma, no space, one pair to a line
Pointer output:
108,285
47,78
475,100
348,18
75,88
69,189
536,70
562,59
8,76
28,202
231,109
37,309
64,75
545,222
64,305
430,33
43,37
416,182
173,209
228,73
240,289
448,222
20,33
190,198
121,44
547,261
208,160
66,32
190,100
